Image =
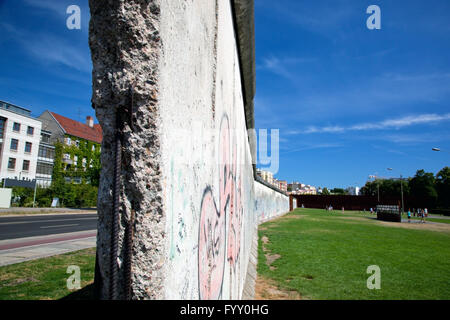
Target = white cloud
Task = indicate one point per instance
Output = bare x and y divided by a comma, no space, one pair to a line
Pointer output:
312,147
382,125
55,6
51,49
323,18
56,50
283,66
59,10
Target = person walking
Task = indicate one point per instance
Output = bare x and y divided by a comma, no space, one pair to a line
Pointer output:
409,215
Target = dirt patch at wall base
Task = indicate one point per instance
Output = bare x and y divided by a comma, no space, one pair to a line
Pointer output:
266,289
442,227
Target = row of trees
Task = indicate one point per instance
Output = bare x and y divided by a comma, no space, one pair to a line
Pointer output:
70,195
433,189
82,195
338,191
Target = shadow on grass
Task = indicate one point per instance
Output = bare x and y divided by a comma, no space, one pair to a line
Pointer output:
86,293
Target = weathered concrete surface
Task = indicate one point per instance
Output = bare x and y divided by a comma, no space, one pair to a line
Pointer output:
248,292
270,203
188,171
125,47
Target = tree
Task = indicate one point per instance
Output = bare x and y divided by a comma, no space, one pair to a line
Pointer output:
369,189
387,187
325,191
422,187
443,187
58,181
393,188
338,191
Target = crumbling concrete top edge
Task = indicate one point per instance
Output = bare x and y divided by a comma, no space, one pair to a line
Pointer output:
243,11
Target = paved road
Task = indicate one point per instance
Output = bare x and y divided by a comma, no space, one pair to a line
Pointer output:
42,225
24,238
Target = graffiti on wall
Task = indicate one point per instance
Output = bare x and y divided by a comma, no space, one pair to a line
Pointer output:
211,248
212,251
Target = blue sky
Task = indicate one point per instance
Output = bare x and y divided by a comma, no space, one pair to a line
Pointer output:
43,64
348,101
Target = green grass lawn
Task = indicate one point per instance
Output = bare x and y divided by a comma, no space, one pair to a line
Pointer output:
46,278
325,256
431,219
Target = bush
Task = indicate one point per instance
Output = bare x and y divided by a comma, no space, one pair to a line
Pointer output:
70,195
445,212
78,195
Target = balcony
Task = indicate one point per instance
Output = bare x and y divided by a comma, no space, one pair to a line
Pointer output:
68,161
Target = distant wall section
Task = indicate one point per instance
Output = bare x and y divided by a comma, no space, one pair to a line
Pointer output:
187,171
212,202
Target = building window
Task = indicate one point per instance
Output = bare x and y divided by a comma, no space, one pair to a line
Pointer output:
68,141
45,138
16,127
46,152
26,165
12,163
2,126
44,169
28,147
77,143
30,130
14,144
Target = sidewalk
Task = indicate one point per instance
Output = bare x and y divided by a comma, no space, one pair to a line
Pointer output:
22,211
24,249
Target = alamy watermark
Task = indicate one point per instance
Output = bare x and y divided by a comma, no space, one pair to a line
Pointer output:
74,20
374,281
189,146
374,20
74,281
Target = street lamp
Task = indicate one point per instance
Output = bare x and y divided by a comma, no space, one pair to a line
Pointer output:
401,188
374,177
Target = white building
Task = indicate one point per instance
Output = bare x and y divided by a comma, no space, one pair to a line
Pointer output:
353,191
266,175
301,188
45,160
20,135
307,189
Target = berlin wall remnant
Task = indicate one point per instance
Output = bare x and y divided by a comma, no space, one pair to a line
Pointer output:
125,45
174,81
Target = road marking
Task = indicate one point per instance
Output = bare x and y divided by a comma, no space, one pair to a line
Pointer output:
60,226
